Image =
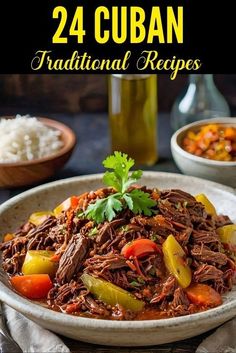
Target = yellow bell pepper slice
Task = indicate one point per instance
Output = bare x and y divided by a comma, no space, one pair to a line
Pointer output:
39,262
209,207
227,235
71,202
175,261
38,218
110,293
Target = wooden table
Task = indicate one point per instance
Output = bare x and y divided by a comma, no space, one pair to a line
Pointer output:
93,145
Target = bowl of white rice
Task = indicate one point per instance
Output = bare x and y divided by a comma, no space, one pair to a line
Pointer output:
32,149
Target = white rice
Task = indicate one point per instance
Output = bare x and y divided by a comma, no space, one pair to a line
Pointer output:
26,138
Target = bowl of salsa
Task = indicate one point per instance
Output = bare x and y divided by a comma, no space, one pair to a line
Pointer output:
207,149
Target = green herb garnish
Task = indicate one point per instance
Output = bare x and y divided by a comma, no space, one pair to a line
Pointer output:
79,214
135,284
140,280
93,232
154,237
138,201
178,205
125,228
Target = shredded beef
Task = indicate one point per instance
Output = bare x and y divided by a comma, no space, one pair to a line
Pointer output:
205,237
169,285
229,279
180,298
123,279
181,207
94,307
154,264
13,246
176,195
157,224
108,230
167,289
180,310
169,211
96,249
101,263
105,233
204,254
14,264
43,228
221,220
13,254
24,229
184,235
206,273
66,293
180,304
72,259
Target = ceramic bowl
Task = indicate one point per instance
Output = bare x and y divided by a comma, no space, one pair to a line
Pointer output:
31,172
109,332
221,172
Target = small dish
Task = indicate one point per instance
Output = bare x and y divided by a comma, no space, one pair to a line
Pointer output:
219,171
31,172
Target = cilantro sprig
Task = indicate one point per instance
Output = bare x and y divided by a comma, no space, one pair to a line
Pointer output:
120,179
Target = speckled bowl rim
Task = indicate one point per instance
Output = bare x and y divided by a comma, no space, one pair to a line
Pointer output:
54,124
175,146
26,306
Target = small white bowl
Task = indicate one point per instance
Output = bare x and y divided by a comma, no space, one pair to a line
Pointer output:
219,171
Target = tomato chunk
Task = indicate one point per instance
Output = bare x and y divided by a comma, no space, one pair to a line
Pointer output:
32,286
140,248
204,295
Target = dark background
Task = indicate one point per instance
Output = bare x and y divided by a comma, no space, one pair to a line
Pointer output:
74,94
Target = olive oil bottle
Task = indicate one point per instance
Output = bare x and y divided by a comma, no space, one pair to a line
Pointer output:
133,116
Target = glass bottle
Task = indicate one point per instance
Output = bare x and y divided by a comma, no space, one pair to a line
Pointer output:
200,100
133,116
